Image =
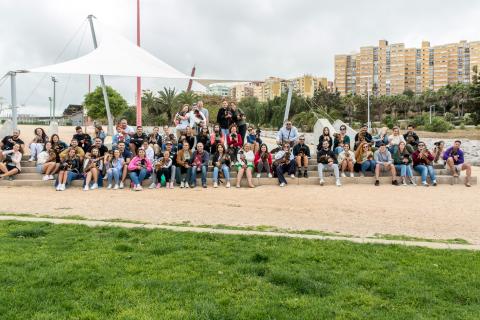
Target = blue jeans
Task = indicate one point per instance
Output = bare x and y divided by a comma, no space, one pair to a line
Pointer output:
138,176
405,170
70,177
368,165
425,171
225,134
193,177
114,173
226,173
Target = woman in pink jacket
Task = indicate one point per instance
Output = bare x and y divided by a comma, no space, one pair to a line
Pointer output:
139,169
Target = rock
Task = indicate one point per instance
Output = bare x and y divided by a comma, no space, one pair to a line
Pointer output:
6,129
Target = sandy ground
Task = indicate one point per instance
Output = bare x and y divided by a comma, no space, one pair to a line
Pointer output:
444,212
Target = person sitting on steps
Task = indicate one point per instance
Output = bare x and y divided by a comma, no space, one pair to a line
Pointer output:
455,161
284,162
301,152
327,161
384,163
346,160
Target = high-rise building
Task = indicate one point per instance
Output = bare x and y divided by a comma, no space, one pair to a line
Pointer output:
390,69
219,90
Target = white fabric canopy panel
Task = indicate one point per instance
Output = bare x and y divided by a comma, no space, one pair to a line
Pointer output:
117,56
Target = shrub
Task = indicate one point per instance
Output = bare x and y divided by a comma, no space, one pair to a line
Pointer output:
390,121
438,124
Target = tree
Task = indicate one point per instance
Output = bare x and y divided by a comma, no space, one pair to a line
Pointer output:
187,97
168,102
95,104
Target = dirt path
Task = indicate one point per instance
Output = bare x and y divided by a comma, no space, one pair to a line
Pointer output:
444,212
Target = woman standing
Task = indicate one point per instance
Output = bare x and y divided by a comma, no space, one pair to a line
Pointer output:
37,143
11,165
114,164
245,158
140,168
221,162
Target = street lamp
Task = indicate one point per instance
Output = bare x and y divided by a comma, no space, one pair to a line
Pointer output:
50,109
54,80
369,123
432,106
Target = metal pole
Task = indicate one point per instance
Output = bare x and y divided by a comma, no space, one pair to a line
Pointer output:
139,80
369,124
102,80
289,100
13,83
50,109
54,97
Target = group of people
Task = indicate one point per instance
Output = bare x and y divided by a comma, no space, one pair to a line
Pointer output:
178,158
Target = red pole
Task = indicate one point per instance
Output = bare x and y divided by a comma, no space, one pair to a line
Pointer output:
139,80
190,82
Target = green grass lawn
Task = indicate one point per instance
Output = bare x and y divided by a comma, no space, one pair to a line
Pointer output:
76,272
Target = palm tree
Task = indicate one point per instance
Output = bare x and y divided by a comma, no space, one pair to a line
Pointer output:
167,99
150,103
187,97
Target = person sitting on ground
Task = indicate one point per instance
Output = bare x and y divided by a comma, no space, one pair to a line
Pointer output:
114,163
136,141
244,164
455,161
184,156
10,166
411,137
402,159
37,143
221,163
383,163
287,134
422,163
127,156
199,164
149,153
367,137
327,161
8,142
92,169
380,137
346,160
263,161
182,120
364,160
216,137
394,140
84,139
325,136
301,152
140,169
163,168
284,162
204,137
57,144
252,139
155,141
120,136
47,162
340,139
99,133
78,150
98,144
438,149
70,169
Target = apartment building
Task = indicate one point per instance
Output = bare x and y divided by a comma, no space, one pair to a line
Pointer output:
390,69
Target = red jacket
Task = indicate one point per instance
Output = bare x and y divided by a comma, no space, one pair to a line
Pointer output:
232,143
257,159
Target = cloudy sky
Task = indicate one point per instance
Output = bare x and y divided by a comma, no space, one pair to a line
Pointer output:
240,39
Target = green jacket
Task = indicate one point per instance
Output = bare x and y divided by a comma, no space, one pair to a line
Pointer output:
398,156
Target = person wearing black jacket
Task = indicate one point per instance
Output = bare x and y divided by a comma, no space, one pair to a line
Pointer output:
173,155
204,137
84,140
325,137
363,132
155,140
301,152
327,161
411,137
136,141
102,149
225,117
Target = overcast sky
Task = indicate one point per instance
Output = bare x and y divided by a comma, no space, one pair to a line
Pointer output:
241,39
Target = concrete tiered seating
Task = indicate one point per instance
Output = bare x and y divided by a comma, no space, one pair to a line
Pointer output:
29,177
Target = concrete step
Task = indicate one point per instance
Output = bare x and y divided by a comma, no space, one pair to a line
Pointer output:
329,180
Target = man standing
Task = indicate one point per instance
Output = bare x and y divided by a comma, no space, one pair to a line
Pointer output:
8,142
384,162
287,134
453,156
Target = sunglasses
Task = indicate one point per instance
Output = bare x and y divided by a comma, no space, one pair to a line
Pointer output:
343,129
366,146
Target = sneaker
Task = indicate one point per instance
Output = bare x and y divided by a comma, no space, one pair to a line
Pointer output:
292,176
45,178
339,184
269,175
31,159
151,186
395,183
139,188
57,188
377,183
204,185
282,184
424,184
237,186
121,186
85,188
322,182
352,175
215,185
182,184
172,185
63,187
412,182
305,174
258,175
115,187
109,186
228,184
344,175
94,186
404,183
158,185
434,183
186,185
299,173
51,177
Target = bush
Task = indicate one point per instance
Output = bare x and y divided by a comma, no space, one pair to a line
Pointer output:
469,119
390,121
438,124
420,120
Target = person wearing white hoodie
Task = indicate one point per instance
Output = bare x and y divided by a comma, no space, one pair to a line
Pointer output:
346,160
